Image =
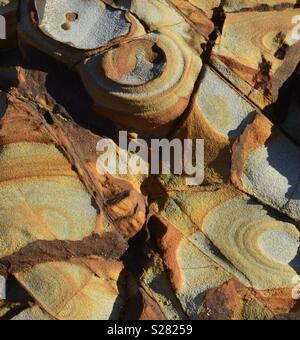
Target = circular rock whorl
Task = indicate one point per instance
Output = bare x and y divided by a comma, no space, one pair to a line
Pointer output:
145,84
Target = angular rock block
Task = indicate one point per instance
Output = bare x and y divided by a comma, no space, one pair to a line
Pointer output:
258,57
34,313
257,249
150,89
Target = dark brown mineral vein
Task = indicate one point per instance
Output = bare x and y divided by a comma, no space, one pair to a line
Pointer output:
110,246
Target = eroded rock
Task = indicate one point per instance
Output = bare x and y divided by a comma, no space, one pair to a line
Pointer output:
126,246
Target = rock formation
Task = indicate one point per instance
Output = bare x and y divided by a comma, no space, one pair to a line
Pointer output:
79,244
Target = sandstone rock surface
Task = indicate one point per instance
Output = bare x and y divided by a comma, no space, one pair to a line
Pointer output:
77,244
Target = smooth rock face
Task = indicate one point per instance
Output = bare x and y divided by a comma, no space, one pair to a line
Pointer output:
199,273
2,105
232,6
82,29
77,243
84,24
256,249
4,3
54,236
143,72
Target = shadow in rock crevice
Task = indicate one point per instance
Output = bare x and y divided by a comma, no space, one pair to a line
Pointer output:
63,85
13,312
66,88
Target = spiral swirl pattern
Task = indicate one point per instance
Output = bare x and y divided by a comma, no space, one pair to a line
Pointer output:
263,249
